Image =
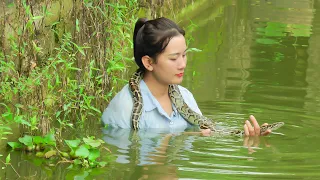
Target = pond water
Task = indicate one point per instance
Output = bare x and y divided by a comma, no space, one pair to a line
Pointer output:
258,57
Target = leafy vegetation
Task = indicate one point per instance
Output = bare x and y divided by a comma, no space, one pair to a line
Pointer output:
85,152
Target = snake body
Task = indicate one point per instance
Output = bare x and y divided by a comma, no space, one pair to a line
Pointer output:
183,109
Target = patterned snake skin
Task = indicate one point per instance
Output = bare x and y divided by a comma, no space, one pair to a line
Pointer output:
183,109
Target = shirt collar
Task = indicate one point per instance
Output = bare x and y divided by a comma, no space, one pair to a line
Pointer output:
149,101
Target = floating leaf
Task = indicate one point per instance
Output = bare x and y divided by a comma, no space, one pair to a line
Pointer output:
26,140
49,139
15,145
38,140
50,153
93,143
73,143
93,154
82,152
40,154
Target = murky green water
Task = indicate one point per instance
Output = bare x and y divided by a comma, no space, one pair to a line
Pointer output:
258,57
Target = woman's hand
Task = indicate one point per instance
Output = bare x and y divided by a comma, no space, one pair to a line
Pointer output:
205,132
249,130
254,130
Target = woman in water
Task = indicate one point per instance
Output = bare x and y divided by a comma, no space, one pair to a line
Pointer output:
160,52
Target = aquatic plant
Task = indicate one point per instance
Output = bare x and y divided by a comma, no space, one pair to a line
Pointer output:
84,152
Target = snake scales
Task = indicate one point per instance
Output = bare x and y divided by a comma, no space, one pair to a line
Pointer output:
183,109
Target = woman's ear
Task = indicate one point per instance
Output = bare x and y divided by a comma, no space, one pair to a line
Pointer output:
147,63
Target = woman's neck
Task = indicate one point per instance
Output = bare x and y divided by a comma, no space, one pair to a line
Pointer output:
157,89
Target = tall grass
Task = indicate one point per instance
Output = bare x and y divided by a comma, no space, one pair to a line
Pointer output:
59,67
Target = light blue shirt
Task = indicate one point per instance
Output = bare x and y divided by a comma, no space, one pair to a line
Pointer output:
118,113
154,123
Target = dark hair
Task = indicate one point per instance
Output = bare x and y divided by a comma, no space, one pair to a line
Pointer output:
152,37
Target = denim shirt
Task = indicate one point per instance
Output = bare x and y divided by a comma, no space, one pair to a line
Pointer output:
118,113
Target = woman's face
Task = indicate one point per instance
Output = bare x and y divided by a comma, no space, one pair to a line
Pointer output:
170,65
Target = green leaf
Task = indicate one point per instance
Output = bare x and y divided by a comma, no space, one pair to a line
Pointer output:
93,143
50,153
40,154
3,127
73,143
15,145
82,152
26,140
93,154
81,51
8,116
38,140
58,113
20,120
8,159
95,109
49,139
74,68
64,154
6,133
77,161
